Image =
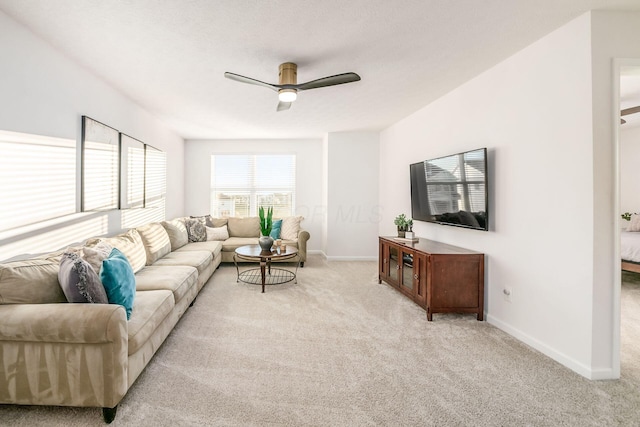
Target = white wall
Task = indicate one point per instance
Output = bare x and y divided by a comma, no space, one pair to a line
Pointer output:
45,93
629,170
533,113
351,199
308,176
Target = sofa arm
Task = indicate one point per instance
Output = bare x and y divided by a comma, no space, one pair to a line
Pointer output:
63,354
303,236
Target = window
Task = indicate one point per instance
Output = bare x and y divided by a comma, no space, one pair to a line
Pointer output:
240,183
131,172
100,158
38,176
155,180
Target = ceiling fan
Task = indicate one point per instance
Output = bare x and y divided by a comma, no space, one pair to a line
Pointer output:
628,111
287,86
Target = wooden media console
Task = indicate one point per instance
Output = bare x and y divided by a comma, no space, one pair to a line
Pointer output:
440,278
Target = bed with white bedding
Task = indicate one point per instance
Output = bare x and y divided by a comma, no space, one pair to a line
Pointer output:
630,250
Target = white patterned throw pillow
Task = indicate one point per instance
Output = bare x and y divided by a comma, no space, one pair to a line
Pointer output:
290,227
94,255
217,233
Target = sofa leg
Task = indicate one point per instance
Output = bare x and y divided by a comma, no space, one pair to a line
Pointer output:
302,264
109,414
193,302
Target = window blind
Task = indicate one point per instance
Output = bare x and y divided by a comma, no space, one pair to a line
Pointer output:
241,183
100,168
155,182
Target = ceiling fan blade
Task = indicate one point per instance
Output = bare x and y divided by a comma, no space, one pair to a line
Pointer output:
631,110
338,79
243,79
283,106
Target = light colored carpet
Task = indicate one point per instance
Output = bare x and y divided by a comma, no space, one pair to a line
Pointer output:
338,349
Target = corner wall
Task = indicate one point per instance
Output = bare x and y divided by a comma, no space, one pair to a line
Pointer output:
352,208
533,112
309,185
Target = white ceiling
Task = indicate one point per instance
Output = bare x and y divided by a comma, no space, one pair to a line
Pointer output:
169,56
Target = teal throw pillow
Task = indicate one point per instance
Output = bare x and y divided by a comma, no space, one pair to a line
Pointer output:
275,229
118,280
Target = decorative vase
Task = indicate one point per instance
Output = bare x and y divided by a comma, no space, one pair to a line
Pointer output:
401,232
265,243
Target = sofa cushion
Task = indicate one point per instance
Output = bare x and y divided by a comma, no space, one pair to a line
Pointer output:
156,241
244,227
290,227
176,278
177,232
32,281
212,246
233,243
118,280
197,259
217,222
196,229
152,307
217,233
79,281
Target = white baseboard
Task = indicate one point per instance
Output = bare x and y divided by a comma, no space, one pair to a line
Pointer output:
351,258
574,365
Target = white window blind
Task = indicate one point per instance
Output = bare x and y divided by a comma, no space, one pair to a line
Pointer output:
155,182
241,183
38,176
131,172
100,157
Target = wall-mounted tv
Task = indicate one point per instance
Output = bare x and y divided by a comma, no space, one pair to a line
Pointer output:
451,190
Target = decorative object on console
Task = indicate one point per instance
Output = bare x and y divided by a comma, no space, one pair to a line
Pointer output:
266,223
626,216
404,224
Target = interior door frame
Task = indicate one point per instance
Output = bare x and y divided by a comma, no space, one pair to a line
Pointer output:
618,66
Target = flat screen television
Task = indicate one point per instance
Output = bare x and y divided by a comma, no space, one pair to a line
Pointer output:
451,190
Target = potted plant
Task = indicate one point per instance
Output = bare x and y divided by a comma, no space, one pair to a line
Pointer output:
266,223
404,224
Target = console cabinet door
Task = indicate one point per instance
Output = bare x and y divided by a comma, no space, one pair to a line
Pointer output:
389,265
420,279
407,274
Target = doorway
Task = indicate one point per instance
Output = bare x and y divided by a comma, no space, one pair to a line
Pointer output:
627,118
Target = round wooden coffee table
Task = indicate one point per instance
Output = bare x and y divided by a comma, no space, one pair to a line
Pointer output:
266,274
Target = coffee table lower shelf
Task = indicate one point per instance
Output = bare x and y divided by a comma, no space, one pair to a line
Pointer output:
277,276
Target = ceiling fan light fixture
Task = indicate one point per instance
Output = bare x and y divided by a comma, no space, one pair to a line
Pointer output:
287,95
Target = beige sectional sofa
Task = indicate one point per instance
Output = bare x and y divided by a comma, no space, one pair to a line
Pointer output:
246,231
89,355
